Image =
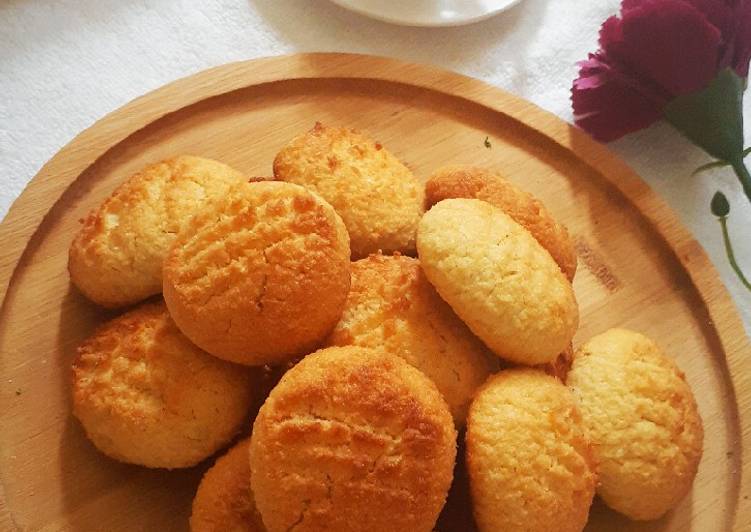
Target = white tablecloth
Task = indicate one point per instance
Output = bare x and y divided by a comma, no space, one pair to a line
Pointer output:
66,63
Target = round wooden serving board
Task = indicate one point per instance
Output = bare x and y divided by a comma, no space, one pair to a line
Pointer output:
638,268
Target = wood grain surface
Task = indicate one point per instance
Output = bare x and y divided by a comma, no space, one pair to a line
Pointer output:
638,268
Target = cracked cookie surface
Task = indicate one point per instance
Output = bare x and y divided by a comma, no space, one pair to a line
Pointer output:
531,465
498,279
116,257
525,209
392,306
260,275
146,395
643,419
352,439
377,196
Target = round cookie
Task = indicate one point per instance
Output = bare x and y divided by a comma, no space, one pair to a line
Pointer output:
498,279
146,395
379,198
643,420
525,209
116,258
352,439
392,306
531,465
224,501
260,275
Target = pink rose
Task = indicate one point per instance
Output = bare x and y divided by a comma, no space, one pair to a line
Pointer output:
656,52
682,60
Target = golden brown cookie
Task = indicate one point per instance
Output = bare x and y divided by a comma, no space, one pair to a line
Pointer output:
377,196
525,209
352,439
392,306
116,257
145,395
531,465
260,275
498,279
224,501
643,420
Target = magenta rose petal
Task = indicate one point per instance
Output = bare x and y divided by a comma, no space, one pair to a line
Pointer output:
743,40
666,58
669,42
722,14
718,12
607,104
627,5
611,32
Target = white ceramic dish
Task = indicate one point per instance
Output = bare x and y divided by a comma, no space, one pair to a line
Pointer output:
428,13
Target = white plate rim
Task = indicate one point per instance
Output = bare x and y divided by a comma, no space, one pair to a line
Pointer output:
353,5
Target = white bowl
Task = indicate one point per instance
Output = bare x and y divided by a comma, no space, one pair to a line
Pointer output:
427,12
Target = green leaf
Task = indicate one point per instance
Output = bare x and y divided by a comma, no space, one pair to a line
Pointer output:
712,118
720,206
709,166
719,164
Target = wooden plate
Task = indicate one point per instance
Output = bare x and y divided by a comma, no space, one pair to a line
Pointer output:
639,268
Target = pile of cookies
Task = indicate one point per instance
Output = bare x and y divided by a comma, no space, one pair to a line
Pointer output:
351,339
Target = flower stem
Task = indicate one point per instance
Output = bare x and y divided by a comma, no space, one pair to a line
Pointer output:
729,252
743,175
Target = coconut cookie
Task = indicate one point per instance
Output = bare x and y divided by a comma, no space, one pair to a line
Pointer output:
116,258
379,198
498,279
224,501
351,440
260,275
525,209
531,465
146,395
643,420
392,306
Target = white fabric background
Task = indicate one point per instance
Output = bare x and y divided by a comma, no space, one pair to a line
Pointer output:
66,63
